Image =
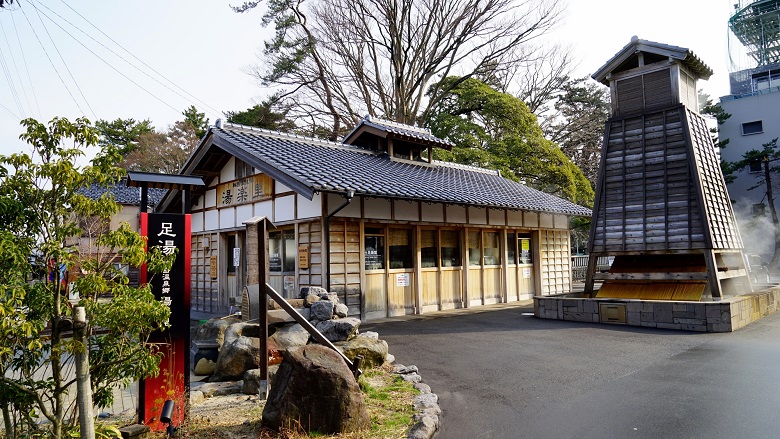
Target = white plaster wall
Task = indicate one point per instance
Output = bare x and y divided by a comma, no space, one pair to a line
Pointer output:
264,208
284,208
211,198
515,217
456,214
531,219
477,215
378,208
227,218
310,208
243,213
280,188
561,222
433,212
199,203
352,210
211,220
406,211
197,222
228,172
497,217
546,220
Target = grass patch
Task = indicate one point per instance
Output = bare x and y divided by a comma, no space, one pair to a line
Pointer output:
389,400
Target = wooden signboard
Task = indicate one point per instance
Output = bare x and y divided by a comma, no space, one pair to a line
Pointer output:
213,267
303,257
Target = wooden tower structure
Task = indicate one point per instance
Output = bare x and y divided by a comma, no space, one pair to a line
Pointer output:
662,209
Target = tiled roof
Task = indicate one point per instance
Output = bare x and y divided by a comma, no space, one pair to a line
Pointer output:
124,194
310,165
402,130
683,54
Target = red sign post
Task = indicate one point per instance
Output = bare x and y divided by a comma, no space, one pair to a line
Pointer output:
170,232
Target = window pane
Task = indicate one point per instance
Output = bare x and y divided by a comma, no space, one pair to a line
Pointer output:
475,249
275,251
375,252
492,249
399,241
511,244
428,248
290,251
524,244
753,127
450,248
231,244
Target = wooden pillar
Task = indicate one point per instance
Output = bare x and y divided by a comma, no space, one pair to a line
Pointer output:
712,269
418,280
258,274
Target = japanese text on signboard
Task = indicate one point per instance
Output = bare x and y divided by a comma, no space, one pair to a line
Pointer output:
246,190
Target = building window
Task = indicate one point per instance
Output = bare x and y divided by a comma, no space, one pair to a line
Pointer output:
492,249
232,250
524,244
400,248
282,251
243,169
475,248
450,248
374,248
428,249
755,127
511,248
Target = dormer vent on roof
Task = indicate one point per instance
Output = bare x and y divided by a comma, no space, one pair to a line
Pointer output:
648,75
397,140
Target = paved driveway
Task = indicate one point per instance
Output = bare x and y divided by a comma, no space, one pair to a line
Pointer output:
505,374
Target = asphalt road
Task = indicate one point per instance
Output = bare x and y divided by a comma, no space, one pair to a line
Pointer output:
505,374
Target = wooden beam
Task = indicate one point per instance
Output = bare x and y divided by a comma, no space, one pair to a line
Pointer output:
650,276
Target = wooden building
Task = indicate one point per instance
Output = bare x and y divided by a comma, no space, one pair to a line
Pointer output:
374,219
662,209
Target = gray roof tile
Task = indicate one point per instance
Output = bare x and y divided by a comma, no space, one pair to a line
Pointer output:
333,167
124,194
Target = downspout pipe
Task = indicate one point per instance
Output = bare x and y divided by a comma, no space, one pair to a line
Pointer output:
348,199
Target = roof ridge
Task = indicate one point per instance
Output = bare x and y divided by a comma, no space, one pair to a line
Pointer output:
468,167
293,136
402,126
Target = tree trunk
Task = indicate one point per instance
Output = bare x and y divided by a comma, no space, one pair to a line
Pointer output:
83,385
773,265
9,426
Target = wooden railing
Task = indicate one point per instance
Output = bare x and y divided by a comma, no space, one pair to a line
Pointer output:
579,266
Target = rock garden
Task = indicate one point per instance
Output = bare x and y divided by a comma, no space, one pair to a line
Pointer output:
311,388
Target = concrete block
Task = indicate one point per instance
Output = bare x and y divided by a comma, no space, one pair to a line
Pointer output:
576,316
679,307
646,316
635,307
700,311
662,313
690,322
648,324
590,306
634,318
719,327
662,325
713,310
682,315
560,308
647,306
697,328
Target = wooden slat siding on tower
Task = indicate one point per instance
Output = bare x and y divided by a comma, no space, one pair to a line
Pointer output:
648,198
717,203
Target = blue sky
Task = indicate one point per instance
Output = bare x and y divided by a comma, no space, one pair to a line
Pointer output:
204,48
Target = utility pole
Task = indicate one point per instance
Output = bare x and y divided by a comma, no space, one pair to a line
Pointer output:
83,385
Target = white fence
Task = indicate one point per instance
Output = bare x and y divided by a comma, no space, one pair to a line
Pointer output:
579,265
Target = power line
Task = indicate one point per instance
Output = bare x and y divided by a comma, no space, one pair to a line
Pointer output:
26,67
50,61
8,110
7,73
38,11
109,64
16,67
214,110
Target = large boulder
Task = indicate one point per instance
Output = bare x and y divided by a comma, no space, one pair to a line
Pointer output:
315,389
339,330
291,336
238,330
322,310
239,355
214,330
374,351
341,310
317,291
